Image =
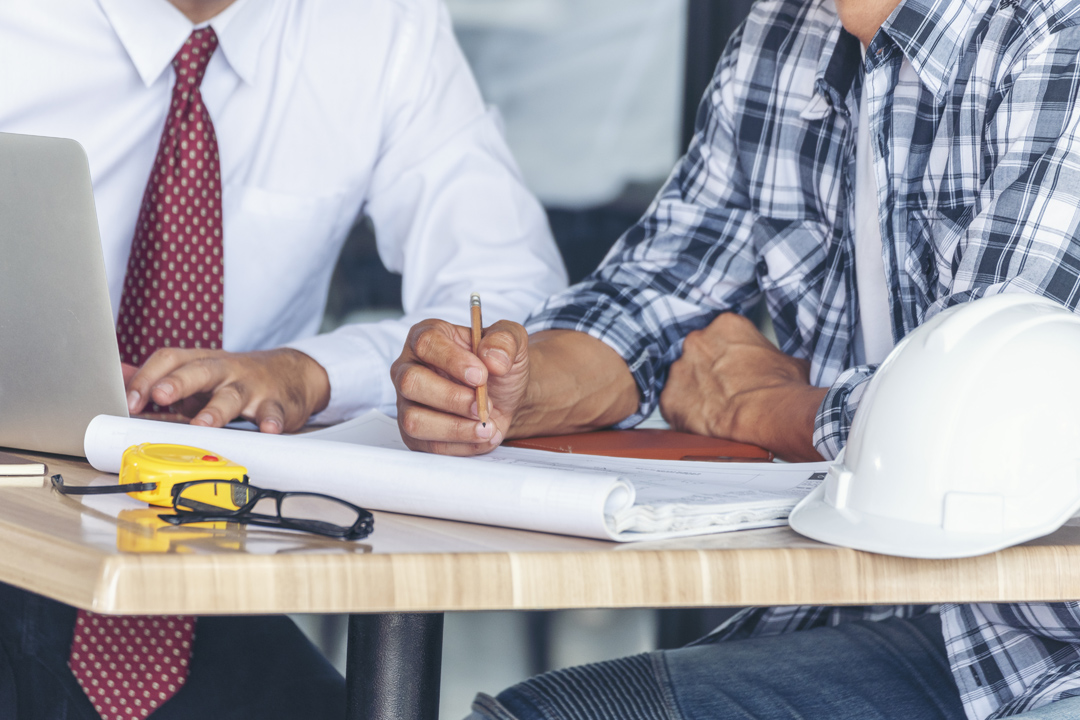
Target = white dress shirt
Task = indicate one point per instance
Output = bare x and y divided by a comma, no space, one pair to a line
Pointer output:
323,109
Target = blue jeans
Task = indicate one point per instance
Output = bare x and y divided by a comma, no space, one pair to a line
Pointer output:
890,670
241,667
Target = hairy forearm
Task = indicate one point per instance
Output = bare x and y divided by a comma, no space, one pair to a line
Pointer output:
731,382
577,383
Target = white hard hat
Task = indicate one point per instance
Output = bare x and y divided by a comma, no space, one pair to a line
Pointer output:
967,439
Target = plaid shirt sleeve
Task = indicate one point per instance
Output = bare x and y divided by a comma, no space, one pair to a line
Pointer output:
686,261
837,410
1010,659
767,621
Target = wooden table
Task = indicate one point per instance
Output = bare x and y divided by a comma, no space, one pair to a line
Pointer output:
398,582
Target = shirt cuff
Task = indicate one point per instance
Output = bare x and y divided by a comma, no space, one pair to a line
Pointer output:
359,377
833,422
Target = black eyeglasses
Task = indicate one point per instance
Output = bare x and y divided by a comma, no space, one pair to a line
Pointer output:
304,511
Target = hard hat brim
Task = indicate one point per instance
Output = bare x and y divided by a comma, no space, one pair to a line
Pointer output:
817,519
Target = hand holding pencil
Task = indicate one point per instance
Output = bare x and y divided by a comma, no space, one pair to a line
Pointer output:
461,388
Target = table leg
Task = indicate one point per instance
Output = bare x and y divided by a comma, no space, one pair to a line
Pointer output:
394,665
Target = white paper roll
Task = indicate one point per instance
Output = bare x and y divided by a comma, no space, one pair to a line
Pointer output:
557,501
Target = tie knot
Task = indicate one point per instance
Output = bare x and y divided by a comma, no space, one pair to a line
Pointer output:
190,63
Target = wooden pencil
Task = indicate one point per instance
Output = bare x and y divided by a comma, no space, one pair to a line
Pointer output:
477,330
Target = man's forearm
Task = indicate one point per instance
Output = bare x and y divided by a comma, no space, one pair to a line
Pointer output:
782,420
577,383
731,382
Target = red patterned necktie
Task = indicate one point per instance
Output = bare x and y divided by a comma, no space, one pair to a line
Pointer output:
174,287
129,666
173,297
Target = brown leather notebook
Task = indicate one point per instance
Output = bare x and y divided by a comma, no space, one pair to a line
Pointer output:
648,445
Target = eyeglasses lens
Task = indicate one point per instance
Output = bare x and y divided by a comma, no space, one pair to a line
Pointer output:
210,496
301,506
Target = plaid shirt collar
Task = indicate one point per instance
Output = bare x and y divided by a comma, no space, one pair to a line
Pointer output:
923,32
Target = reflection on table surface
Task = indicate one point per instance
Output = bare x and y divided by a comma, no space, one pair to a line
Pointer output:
143,531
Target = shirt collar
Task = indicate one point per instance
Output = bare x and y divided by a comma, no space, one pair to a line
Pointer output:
931,34
153,31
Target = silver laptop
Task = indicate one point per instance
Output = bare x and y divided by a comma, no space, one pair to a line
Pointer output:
59,362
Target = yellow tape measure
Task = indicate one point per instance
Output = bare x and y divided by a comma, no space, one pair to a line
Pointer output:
166,465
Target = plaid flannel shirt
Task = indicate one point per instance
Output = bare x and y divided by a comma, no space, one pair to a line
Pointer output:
978,178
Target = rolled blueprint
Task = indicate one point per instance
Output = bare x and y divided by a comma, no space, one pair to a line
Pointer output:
528,498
